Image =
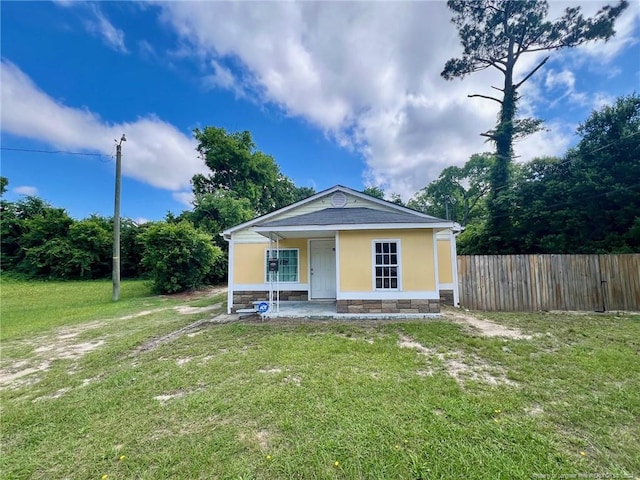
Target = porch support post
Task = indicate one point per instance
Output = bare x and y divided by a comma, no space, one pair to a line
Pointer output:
230,275
337,247
278,274
269,273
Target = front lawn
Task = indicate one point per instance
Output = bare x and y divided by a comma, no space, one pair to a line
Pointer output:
316,399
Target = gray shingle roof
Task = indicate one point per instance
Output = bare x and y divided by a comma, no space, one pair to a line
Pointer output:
349,216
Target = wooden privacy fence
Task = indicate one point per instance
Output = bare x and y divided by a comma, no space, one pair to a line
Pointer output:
549,282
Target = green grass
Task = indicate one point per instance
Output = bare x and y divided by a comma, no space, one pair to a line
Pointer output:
31,307
288,400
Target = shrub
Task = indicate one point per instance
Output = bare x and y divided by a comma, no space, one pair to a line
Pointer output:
177,256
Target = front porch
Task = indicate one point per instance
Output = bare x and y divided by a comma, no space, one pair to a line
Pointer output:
327,310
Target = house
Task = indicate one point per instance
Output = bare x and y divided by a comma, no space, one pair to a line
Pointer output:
368,255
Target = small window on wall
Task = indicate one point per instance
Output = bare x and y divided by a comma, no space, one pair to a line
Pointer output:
287,265
386,265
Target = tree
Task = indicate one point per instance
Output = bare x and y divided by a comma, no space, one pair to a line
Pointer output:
373,191
237,166
303,192
131,247
215,212
458,193
497,34
177,256
378,192
4,182
589,201
27,226
91,242
397,199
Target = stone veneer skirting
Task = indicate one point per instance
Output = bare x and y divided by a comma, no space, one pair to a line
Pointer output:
446,297
245,298
388,306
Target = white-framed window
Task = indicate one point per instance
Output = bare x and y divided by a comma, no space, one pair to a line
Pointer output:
386,264
288,265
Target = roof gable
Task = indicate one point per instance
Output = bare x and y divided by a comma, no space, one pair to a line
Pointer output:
322,201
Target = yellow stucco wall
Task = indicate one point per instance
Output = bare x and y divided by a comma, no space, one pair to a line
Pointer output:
445,272
416,256
249,260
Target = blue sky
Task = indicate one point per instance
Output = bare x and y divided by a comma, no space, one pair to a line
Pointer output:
337,92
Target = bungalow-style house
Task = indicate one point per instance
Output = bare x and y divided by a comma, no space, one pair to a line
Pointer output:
368,255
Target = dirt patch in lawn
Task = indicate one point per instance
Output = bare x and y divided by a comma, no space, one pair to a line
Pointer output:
56,394
144,313
190,330
46,349
64,343
200,293
163,399
458,364
186,310
484,327
261,438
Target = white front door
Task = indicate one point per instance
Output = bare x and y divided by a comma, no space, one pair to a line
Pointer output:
323,268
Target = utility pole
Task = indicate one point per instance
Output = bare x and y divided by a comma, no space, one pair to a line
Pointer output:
116,223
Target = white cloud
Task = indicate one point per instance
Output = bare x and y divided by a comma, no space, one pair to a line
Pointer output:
564,78
156,152
26,190
368,74
223,78
141,220
146,50
186,198
101,26
552,141
365,73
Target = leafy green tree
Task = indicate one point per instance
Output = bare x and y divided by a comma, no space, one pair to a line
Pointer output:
458,193
397,199
177,256
10,231
131,248
588,202
374,191
498,34
4,182
91,251
378,192
303,192
236,165
33,223
213,213
538,226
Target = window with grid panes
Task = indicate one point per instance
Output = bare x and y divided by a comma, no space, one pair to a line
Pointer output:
386,265
287,265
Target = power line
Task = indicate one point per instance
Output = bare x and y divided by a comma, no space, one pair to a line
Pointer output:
59,152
